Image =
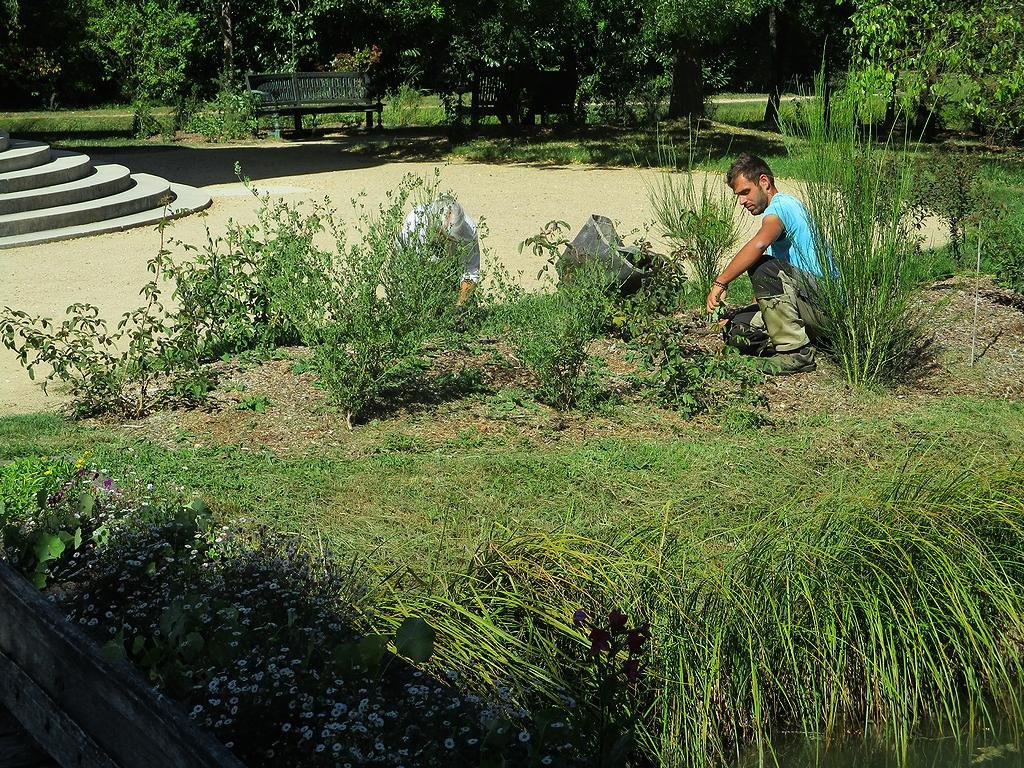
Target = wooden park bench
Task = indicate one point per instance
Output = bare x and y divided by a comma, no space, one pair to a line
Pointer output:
549,92
305,93
491,93
511,96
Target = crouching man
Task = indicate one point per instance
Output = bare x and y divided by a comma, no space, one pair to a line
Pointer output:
445,218
783,267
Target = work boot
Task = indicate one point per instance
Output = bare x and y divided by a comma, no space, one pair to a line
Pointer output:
784,363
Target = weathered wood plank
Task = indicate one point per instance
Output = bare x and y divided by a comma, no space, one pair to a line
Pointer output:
41,717
17,750
56,683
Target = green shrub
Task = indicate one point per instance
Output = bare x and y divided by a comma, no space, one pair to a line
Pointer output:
550,333
49,515
1002,246
405,107
26,483
365,309
229,293
131,369
231,115
690,379
948,184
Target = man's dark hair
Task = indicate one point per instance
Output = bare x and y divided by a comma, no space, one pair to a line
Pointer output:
750,167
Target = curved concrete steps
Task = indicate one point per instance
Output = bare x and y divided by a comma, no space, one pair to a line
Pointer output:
58,195
62,168
105,180
186,200
148,192
23,154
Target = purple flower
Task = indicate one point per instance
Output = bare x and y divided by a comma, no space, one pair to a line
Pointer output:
600,640
579,618
636,637
617,621
631,667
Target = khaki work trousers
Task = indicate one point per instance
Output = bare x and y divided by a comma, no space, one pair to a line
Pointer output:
785,317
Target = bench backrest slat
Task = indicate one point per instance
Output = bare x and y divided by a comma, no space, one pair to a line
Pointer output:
273,87
491,90
330,88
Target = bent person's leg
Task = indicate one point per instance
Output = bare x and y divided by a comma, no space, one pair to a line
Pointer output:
744,330
777,297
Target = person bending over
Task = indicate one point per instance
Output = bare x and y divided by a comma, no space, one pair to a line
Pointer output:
445,217
783,266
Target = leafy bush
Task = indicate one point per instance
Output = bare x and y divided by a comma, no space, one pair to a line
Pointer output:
228,298
686,377
51,512
404,106
145,46
138,365
231,115
1002,246
367,308
230,292
949,184
551,332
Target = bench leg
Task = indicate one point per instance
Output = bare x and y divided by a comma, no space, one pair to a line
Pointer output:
298,121
369,119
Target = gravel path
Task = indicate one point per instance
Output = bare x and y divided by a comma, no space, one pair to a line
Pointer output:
516,201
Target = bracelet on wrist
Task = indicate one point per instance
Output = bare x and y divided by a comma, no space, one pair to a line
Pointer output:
720,284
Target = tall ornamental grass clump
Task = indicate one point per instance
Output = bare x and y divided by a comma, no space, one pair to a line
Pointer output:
697,219
881,617
858,191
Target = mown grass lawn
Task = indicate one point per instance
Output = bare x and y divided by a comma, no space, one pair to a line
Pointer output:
409,497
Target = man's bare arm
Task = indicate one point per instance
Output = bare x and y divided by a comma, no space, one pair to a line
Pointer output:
748,255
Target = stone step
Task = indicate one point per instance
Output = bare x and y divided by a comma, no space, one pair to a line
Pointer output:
107,180
24,154
147,193
62,168
5,139
186,200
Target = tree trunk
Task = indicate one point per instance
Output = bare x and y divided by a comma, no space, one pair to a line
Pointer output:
687,98
227,35
771,110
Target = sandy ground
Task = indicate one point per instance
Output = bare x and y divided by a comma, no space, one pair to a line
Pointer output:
516,201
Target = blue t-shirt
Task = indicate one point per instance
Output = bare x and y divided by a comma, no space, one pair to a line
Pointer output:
796,245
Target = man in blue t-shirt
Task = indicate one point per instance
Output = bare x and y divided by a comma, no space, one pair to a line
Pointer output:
783,266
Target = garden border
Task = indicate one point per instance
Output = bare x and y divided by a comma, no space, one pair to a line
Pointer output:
81,709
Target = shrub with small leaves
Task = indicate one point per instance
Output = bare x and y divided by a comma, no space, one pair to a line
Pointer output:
688,378
550,332
131,369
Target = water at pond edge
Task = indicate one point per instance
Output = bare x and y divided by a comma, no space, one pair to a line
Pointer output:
981,750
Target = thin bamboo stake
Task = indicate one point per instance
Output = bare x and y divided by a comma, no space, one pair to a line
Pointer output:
977,289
